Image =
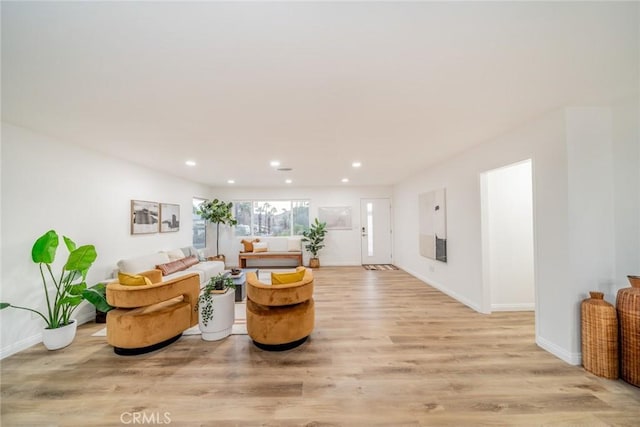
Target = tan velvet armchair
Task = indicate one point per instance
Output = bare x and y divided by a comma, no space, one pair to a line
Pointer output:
280,317
149,317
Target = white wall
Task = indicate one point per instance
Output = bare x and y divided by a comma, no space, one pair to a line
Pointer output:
342,247
508,236
461,276
603,206
565,147
46,185
626,191
591,202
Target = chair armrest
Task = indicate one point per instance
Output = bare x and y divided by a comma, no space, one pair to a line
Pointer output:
154,275
122,296
278,295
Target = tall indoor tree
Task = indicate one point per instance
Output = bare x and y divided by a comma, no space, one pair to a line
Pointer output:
217,212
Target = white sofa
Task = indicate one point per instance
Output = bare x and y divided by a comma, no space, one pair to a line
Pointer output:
205,269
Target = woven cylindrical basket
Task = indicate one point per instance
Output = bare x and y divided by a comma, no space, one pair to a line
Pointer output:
599,336
628,307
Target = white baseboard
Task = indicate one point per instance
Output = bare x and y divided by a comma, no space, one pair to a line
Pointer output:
513,307
25,343
340,263
443,289
562,354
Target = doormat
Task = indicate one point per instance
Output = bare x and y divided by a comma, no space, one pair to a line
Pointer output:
379,267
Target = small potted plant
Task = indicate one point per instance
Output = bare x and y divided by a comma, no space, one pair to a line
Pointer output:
315,238
217,212
67,291
216,308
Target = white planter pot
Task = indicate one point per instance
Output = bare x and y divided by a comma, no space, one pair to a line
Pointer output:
55,339
223,317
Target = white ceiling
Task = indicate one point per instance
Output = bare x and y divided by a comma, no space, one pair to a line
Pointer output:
398,86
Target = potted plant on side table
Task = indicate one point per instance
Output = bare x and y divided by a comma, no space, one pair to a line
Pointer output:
315,238
216,308
68,288
217,212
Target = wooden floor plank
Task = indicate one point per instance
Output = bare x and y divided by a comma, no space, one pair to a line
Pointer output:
387,350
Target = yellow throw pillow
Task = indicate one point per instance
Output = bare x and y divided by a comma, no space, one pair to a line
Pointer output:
286,278
133,279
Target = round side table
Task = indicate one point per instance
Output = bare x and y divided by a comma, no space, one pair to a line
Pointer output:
223,317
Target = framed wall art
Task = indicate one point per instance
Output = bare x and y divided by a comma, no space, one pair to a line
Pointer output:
169,217
337,218
432,213
144,217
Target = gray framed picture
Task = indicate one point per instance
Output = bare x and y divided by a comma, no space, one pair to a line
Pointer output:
432,210
169,218
145,217
337,218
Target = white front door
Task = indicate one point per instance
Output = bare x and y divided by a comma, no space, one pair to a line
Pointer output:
375,229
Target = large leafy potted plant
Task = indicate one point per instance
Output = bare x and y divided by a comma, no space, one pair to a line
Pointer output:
314,237
65,296
218,297
217,212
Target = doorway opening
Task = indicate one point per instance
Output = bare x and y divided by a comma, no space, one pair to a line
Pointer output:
507,238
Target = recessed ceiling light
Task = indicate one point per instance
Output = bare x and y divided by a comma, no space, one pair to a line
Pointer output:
345,179
190,163
288,181
356,164
274,163
230,181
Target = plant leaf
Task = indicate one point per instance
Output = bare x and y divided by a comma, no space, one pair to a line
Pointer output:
77,289
4,305
44,249
71,300
81,258
97,297
71,245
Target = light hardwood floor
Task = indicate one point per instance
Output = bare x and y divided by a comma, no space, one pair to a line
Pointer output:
387,350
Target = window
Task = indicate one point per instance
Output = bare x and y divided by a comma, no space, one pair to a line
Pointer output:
199,226
271,218
300,216
242,213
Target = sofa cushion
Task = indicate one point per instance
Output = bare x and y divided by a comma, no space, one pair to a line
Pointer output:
142,263
248,244
276,243
133,279
191,251
293,244
286,278
171,267
260,247
208,269
175,254
183,273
